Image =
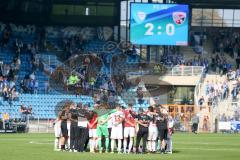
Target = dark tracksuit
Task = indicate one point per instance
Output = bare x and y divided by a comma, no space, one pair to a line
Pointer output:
162,125
142,132
74,132
83,130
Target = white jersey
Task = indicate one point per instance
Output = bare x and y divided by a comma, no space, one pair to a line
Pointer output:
152,126
116,118
170,124
110,121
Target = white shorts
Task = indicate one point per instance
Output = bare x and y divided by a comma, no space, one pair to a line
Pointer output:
152,134
58,132
57,129
93,133
68,128
129,131
117,133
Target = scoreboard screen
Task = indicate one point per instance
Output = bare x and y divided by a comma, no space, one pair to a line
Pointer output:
159,24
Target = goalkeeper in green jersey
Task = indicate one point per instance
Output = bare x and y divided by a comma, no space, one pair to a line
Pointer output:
102,127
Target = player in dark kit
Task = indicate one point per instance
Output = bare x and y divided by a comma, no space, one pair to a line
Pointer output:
74,131
143,121
64,129
162,125
83,116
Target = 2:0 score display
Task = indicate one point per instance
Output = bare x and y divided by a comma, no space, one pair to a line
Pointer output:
159,24
151,29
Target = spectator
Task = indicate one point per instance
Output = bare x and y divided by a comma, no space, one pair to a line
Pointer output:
73,79
32,76
201,101
31,86
25,112
195,122
46,87
35,86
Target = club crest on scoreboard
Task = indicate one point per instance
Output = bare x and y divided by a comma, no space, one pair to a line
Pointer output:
179,17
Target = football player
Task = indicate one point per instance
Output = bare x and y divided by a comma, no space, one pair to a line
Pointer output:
129,128
117,128
92,126
152,130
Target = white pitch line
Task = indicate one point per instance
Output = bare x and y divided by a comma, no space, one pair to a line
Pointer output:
211,149
23,139
42,142
205,143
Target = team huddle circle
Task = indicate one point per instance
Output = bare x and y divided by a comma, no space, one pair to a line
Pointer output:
113,130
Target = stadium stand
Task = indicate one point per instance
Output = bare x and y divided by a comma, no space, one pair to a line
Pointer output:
42,46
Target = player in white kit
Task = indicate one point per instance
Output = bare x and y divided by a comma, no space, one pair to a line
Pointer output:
58,133
170,132
152,131
117,128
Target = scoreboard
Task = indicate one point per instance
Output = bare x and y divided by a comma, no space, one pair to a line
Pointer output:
159,24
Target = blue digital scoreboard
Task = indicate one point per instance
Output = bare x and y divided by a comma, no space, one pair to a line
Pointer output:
159,24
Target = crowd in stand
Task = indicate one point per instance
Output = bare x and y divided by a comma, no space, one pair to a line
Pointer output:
215,91
8,77
72,40
25,112
226,41
234,117
220,65
173,58
29,84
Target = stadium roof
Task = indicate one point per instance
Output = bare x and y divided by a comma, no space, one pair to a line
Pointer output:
225,4
64,12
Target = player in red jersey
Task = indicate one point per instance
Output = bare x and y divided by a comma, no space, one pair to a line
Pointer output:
92,126
129,128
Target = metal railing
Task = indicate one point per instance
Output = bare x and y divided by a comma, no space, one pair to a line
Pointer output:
171,71
198,87
186,70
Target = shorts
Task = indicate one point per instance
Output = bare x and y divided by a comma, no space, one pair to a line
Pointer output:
64,129
152,134
129,132
69,128
57,132
93,133
102,131
163,134
117,133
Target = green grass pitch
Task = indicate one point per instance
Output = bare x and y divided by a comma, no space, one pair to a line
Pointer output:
186,147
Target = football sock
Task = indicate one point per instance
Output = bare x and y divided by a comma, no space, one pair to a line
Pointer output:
99,144
56,143
119,145
149,145
106,143
130,145
112,145
125,145
153,146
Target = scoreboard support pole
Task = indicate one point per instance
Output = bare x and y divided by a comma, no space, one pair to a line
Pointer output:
148,54
148,47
